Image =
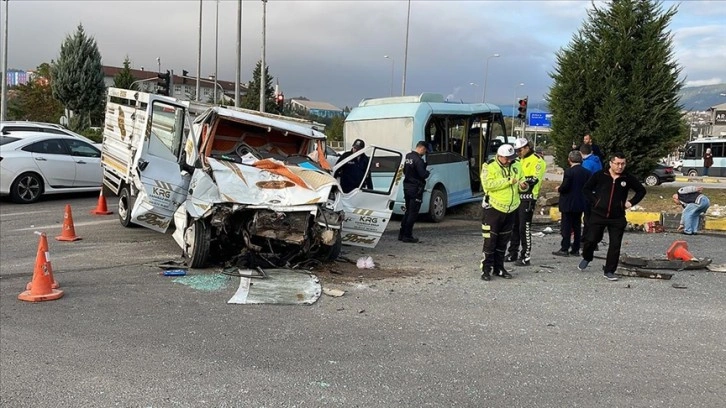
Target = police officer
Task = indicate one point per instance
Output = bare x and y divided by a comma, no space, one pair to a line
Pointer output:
414,181
502,181
352,173
533,169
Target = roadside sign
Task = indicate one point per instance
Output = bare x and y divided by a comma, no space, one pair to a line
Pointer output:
540,119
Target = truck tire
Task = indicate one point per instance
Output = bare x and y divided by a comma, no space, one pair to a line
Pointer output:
335,249
197,240
125,204
437,205
692,173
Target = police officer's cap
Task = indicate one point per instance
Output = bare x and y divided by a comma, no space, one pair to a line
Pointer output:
507,151
359,144
520,143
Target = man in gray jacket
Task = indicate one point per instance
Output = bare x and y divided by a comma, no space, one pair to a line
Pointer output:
694,203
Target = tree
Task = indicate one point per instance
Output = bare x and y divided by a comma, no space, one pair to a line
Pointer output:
77,78
252,99
619,81
334,129
124,79
34,100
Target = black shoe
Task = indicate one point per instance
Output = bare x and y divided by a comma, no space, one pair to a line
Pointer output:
485,272
575,253
610,276
561,253
522,262
410,240
510,258
501,272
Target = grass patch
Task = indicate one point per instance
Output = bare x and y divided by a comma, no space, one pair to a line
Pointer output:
658,198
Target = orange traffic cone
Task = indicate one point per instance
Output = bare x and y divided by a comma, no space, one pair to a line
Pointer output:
101,208
42,284
69,231
679,251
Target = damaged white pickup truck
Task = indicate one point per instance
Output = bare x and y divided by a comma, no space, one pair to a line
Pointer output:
237,184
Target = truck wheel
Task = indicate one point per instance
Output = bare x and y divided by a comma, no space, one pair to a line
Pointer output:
437,205
335,249
197,240
125,204
692,173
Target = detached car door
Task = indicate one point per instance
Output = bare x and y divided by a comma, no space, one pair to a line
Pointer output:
163,184
368,208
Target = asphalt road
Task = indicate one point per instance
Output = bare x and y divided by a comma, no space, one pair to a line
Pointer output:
552,337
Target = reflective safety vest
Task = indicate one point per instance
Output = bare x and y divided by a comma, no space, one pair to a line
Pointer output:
533,170
496,181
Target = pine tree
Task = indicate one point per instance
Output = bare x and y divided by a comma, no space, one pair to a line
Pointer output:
124,79
77,78
251,100
618,79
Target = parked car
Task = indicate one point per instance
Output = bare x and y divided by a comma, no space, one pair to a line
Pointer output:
36,163
10,127
661,174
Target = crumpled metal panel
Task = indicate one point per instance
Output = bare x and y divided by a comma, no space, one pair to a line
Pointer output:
239,184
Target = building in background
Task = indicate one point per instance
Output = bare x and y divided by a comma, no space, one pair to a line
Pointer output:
183,87
320,109
15,77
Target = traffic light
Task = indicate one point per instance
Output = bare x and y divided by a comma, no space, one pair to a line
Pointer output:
280,101
184,76
164,83
522,109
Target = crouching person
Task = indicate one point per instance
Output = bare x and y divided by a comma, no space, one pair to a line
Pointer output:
502,181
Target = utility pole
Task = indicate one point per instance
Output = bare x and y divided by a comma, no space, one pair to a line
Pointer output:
263,77
4,103
199,53
216,52
405,51
239,54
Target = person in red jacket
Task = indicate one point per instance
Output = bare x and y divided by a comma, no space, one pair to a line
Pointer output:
607,191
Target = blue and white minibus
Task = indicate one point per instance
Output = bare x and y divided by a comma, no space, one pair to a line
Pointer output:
693,157
460,136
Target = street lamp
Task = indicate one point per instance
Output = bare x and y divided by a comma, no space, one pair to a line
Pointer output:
4,97
405,51
199,54
393,62
216,52
515,104
474,85
486,77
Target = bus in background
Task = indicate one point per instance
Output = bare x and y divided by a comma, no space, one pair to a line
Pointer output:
693,157
460,136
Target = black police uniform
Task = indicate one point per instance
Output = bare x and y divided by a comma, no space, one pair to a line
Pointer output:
415,175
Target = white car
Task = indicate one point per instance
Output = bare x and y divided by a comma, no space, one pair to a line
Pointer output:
36,163
11,127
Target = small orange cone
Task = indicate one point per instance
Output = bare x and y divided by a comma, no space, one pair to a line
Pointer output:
42,284
679,251
69,231
101,207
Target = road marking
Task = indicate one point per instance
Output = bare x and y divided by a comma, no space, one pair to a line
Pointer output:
75,224
24,213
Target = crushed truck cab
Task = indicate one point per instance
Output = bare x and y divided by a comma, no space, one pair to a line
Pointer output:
234,183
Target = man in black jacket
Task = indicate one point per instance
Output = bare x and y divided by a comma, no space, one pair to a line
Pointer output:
415,175
607,190
572,204
351,174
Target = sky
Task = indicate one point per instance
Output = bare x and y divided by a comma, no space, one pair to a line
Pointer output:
334,51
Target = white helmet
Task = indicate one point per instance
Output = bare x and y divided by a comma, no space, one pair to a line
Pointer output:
520,143
507,151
